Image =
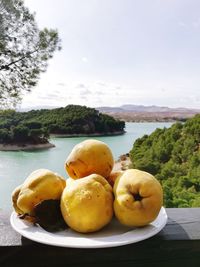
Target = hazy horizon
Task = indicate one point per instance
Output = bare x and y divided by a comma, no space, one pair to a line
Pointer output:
121,106
120,52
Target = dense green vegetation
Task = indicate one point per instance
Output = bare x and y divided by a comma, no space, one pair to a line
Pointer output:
173,156
35,125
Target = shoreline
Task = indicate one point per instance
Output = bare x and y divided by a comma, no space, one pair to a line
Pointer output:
18,147
25,147
87,135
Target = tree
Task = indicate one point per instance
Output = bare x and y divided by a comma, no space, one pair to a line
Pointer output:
173,156
24,50
4,136
20,133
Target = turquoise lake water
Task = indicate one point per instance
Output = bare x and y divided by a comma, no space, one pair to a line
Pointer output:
15,166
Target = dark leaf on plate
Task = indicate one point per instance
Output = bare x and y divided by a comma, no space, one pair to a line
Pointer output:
48,215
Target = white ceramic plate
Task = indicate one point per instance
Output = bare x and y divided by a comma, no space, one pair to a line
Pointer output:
112,235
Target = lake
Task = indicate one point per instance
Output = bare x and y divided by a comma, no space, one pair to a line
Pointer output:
15,166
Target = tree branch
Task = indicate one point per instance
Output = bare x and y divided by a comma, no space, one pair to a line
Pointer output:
7,66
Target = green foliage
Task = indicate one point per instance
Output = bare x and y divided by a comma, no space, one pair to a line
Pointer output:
20,133
173,156
24,50
5,136
36,125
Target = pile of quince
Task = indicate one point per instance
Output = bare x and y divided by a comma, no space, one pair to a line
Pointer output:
92,194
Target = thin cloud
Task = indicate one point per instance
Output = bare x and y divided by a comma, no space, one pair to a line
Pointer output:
99,93
83,97
101,84
50,97
80,85
61,84
85,92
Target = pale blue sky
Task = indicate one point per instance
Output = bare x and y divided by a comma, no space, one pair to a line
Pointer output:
117,52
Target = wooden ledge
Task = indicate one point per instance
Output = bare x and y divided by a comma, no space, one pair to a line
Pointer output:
178,244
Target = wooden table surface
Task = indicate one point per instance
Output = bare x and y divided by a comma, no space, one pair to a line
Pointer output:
178,244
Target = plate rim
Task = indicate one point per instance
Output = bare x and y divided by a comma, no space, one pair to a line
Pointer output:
24,233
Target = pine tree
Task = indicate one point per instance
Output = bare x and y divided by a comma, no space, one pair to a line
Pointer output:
24,50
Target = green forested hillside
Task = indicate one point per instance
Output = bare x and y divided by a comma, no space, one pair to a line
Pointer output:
173,156
35,125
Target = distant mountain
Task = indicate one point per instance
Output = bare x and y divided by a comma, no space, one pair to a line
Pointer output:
139,113
142,108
